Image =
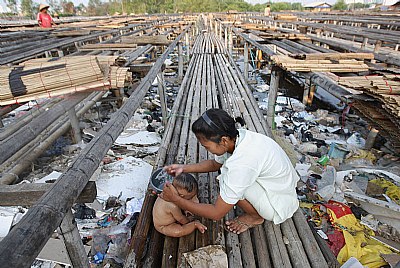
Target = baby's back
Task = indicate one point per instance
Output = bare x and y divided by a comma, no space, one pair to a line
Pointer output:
162,215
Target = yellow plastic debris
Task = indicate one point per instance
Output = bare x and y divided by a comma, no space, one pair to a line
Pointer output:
358,244
392,190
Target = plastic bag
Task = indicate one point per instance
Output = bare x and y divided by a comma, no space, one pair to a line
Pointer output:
358,244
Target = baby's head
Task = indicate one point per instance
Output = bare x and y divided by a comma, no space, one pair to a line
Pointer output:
186,185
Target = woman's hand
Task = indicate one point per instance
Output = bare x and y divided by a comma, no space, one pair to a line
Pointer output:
169,193
174,169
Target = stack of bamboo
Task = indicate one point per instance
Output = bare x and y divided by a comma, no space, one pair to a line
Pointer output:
144,40
335,56
113,46
339,66
385,88
275,35
118,76
70,33
259,27
43,78
286,17
206,43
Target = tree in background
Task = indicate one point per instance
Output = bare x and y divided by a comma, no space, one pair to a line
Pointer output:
358,6
68,8
12,5
97,8
27,8
55,6
80,9
339,5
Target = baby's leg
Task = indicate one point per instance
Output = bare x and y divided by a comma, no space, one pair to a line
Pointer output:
178,230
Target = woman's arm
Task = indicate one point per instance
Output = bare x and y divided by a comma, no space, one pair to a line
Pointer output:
210,211
204,166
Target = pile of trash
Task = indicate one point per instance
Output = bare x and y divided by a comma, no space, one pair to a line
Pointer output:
349,187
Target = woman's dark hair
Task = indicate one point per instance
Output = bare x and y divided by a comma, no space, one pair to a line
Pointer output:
186,181
216,123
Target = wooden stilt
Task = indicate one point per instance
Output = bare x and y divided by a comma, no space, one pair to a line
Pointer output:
246,61
365,42
163,101
74,125
180,62
230,41
306,91
311,94
273,91
378,45
187,44
226,37
371,139
73,243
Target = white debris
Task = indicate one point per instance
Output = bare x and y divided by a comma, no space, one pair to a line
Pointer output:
143,138
52,176
129,176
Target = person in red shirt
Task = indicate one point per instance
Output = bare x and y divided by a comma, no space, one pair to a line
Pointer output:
44,19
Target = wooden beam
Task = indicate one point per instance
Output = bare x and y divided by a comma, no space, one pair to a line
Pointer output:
163,101
77,137
27,194
272,94
144,40
180,62
73,243
246,61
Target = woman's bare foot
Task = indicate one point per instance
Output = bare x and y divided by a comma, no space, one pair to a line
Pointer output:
201,227
242,223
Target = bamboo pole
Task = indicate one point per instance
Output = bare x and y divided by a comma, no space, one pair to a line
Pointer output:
31,151
66,189
73,242
37,125
246,61
273,92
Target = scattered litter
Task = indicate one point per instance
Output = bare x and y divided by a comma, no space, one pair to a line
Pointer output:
6,219
143,138
83,212
53,176
352,263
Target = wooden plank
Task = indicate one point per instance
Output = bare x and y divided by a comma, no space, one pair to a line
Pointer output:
294,246
311,247
338,56
324,248
144,40
233,246
277,249
27,194
73,242
114,46
260,241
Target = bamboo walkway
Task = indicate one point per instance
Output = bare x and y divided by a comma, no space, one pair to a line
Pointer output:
212,80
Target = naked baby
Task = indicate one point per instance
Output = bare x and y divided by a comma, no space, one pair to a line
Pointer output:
168,218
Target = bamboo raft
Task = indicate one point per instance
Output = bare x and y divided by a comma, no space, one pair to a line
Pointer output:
46,78
212,80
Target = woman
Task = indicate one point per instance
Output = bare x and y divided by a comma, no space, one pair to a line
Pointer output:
256,174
